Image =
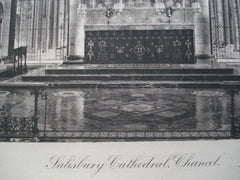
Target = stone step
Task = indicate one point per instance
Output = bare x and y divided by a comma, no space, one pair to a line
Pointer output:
119,84
133,77
137,70
6,73
75,62
134,84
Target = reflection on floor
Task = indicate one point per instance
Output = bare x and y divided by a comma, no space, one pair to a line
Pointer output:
125,109
138,110
126,113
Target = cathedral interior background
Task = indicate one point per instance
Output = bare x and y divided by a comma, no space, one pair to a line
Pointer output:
119,69
54,30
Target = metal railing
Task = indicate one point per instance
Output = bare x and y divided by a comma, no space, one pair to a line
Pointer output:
20,60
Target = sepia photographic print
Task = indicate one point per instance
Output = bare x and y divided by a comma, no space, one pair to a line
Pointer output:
120,89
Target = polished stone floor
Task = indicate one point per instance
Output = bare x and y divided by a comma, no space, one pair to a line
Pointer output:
139,110
119,112
129,110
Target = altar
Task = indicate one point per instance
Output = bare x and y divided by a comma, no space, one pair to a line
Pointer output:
135,32
139,46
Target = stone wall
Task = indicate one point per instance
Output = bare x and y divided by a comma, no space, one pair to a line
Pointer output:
225,17
202,31
76,25
5,27
144,17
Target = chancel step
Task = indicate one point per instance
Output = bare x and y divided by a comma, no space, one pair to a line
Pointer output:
134,77
134,84
137,70
119,84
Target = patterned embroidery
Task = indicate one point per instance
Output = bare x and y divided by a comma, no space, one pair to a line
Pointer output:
188,43
120,49
134,46
130,33
159,49
102,44
102,54
177,54
90,53
91,44
139,50
177,43
188,55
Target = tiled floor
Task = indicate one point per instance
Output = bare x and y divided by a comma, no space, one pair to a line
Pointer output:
138,110
127,110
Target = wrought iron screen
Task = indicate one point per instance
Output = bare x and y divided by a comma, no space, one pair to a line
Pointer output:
17,126
42,26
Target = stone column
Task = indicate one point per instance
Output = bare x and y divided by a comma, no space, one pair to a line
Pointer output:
238,21
9,22
231,22
202,32
56,23
226,22
183,3
50,24
76,31
234,24
36,25
40,31
93,3
237,25
220,21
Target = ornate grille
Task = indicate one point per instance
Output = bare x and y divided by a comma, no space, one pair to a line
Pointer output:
17,126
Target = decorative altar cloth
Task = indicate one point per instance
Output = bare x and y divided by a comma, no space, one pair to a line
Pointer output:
140,46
